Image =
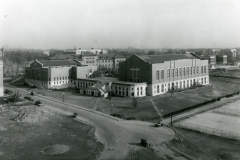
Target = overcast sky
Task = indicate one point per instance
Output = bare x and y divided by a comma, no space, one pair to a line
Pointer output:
119,23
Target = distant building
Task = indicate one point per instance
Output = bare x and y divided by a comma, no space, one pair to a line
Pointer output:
81,51
207,55
109,62
1,78
46,53
89,58
158,74
231,55
222,59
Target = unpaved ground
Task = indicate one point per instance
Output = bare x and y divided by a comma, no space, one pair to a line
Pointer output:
24,131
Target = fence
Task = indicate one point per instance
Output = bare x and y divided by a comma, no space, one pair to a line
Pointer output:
228,111
208,130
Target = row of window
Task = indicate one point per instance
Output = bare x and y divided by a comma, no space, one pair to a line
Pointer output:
89,61
60,78
123,91
180,85
181,71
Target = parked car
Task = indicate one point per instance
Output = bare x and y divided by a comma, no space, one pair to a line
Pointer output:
75,115
158,124
144,143
7,91
28,98
39,103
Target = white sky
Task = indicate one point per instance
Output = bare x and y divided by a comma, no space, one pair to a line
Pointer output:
120,23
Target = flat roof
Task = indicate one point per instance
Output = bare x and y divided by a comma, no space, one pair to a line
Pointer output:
128,83
108,79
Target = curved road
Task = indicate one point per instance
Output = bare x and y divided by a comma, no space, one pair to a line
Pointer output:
118,135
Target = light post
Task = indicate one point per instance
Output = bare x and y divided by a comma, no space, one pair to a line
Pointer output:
112,108
63,97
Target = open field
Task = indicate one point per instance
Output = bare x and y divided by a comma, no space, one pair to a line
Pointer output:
26,130
219,122
165,103
206,147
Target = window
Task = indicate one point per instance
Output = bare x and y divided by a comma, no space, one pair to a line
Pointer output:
157,74
201,69
190,70
54,78
60,78
193,69
157,88
162,74
172,73
197,69
57,78
176,72
168,73
162,88
205,80
184,71
205,69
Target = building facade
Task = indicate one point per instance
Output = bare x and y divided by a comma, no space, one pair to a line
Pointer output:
162,73
221,59
81,51
55,74
109,62
89,58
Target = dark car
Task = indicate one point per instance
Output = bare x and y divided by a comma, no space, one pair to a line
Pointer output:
144,143
28,98
75,115
7,91
39,103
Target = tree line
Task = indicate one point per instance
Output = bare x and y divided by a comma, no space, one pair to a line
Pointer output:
15,60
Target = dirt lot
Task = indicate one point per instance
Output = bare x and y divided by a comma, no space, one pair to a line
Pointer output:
26,130
207,147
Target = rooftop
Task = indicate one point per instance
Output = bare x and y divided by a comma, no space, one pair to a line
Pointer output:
48,63
87,53
109,56
62,57
165,57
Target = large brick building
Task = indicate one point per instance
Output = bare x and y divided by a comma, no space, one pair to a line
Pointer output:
161,73
56,73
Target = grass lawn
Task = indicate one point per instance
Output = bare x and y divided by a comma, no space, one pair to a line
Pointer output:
208,147
41,128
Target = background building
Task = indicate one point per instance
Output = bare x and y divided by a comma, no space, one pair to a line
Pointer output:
109,62
81,51
89,58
